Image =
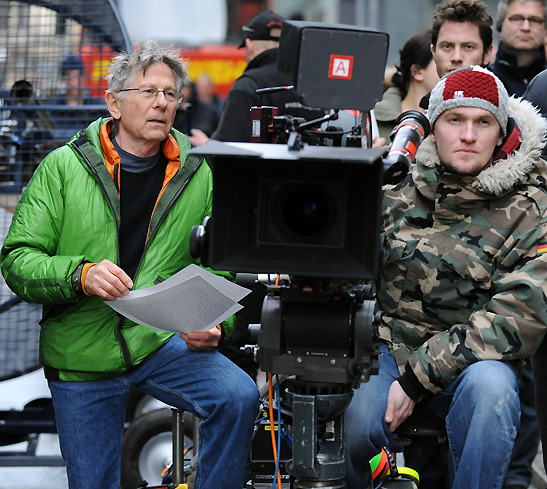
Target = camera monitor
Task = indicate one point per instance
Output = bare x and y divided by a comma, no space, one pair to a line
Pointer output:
334,66
311,213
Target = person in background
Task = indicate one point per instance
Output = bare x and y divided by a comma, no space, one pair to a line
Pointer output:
74,94
195,113
415,77
536,93
74,91
109,212
461,288
261,44
205,91
461,35
520,55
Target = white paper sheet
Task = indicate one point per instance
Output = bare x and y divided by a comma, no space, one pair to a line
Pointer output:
191,300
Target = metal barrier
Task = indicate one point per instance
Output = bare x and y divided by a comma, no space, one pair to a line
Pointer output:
54,55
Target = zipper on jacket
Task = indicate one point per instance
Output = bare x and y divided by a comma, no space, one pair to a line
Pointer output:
151,236
119,327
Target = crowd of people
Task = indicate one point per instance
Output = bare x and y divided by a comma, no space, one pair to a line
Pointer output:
462,288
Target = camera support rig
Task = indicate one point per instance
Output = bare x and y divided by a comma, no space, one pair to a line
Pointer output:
314,214
322,332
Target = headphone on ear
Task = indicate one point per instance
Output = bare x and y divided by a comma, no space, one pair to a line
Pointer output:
499,23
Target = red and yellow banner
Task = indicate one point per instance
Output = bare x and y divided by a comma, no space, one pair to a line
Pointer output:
224,64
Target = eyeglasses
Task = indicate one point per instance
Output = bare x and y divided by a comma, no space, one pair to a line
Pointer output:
150,93
519,20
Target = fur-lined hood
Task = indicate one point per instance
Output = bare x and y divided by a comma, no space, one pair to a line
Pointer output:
523,165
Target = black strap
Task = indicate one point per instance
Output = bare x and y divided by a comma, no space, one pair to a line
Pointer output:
83,144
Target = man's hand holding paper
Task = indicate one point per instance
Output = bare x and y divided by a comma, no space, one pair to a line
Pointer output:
191,300
202,340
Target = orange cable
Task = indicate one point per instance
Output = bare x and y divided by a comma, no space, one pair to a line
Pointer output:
272,426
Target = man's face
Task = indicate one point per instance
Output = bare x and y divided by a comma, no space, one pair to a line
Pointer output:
254,48
72,79
145,123
466,138
523,28
459,45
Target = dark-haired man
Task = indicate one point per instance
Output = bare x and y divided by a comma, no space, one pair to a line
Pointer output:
461,35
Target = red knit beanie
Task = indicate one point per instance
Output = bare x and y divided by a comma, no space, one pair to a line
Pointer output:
472,86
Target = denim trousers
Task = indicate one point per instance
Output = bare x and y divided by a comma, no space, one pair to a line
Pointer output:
481,411
90,416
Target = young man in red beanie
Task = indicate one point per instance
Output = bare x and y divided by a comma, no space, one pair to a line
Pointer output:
462,288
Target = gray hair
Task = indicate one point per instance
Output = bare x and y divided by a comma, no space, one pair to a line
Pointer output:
503,6
125,65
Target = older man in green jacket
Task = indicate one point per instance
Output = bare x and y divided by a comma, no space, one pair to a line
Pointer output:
110,211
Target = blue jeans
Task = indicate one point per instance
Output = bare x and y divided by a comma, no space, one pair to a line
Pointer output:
90,416
481,410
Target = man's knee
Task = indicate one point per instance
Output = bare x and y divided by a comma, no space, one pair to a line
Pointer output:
492,386
241,392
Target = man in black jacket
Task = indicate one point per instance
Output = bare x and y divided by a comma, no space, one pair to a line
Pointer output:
521,54
520,57
261,43
537,94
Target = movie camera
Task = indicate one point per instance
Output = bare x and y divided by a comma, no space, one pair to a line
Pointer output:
312,212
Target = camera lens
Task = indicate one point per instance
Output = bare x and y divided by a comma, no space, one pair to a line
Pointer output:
302,213
305,211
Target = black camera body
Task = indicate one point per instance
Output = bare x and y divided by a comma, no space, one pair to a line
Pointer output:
311,213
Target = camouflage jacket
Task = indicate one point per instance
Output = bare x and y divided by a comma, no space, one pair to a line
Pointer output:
465,277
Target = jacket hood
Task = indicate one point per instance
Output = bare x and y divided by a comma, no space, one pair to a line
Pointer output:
523,165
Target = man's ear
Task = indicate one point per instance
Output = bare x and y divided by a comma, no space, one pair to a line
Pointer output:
249,50
432,136
500,140
112,104
487,57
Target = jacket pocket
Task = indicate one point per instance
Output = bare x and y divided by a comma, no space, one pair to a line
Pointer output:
468,266
467,280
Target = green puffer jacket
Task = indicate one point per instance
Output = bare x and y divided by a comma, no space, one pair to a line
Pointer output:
70,213
466,266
